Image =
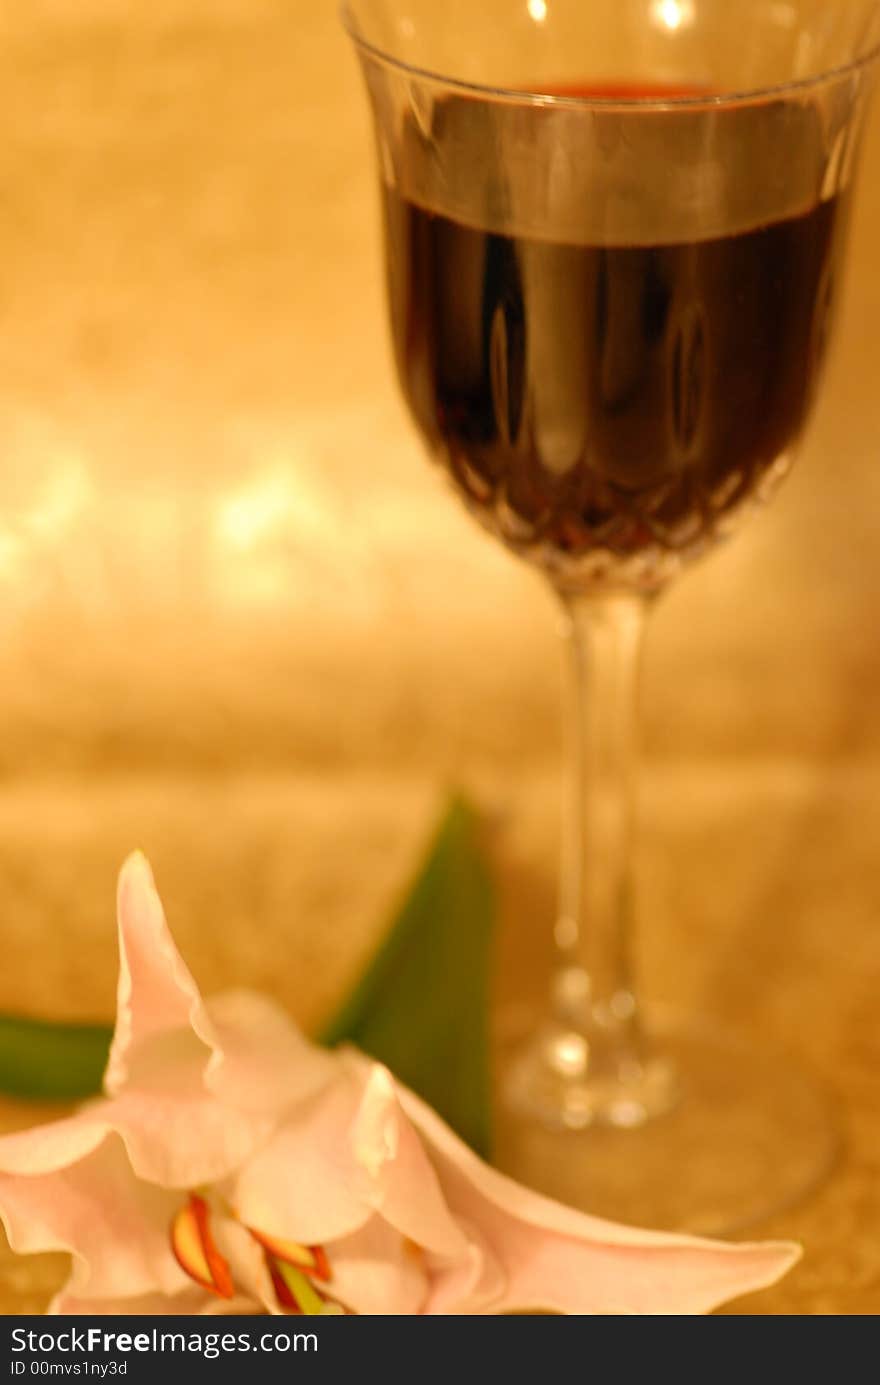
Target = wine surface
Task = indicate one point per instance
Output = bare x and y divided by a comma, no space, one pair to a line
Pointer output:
600,405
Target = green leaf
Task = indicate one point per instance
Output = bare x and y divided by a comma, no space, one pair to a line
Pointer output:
422,1007
52,1062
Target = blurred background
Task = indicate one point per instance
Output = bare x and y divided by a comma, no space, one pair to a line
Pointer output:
243,627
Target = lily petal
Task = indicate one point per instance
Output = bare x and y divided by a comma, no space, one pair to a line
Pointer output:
196,1087
404,1186
304,1185
351,1153
248,1266
191,1302
556,1259
377,1271
474,1278
47,1148
114,1226
261,1061
179,1136
157,998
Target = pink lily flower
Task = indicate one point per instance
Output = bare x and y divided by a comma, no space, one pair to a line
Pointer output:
233,1166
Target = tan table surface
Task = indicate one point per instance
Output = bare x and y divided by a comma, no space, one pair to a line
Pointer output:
244,628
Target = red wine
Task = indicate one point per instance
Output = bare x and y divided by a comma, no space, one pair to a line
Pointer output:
609,402
623,91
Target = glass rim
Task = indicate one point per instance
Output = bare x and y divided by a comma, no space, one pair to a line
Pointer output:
521,96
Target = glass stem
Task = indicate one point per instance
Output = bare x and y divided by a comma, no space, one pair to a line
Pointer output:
594,996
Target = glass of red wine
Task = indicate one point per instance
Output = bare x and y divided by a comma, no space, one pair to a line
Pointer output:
614,235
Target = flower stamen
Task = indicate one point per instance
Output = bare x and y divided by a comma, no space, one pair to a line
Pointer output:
293,1268
293,1289
195,1250
311,1259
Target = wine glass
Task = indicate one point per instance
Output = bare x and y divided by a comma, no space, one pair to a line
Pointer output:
614,238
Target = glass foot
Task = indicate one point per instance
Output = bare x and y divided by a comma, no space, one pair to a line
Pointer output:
563,1082
710,1136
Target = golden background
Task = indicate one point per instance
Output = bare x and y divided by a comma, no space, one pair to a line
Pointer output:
242,626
